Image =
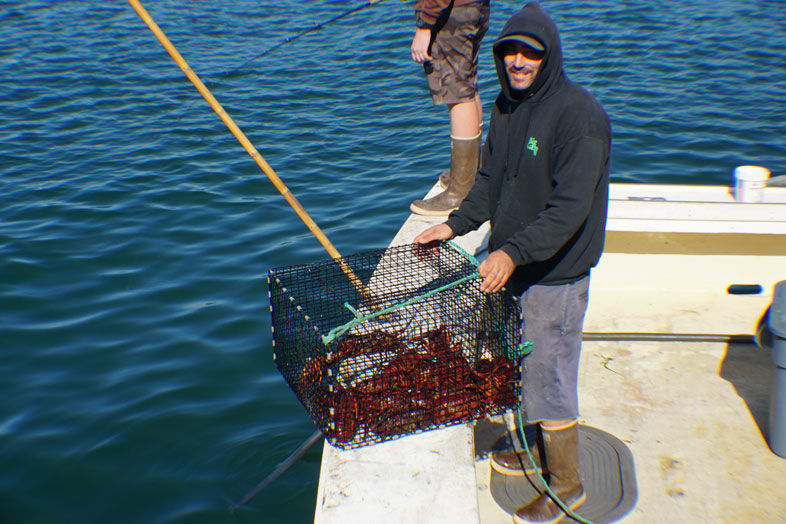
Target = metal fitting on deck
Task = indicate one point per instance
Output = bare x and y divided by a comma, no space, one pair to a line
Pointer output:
777,327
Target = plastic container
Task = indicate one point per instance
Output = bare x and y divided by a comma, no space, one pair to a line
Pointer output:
750,182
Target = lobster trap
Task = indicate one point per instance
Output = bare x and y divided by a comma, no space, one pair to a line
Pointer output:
395,341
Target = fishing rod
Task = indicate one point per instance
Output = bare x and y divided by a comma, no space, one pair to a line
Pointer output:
280,469
304,32
291,38
249,147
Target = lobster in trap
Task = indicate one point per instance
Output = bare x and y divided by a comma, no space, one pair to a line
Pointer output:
394,341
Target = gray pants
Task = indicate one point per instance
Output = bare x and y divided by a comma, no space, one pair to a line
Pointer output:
553,321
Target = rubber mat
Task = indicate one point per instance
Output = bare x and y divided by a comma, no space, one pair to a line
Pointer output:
607,473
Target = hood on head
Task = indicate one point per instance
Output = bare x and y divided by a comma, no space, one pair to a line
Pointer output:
531,21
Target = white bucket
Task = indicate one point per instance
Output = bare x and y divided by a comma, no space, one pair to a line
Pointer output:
750,182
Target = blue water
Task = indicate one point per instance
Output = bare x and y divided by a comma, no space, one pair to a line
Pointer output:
135,234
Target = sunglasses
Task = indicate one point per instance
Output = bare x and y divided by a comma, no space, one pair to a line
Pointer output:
515,48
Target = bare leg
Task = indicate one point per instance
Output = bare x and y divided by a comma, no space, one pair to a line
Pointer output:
479,106
466,118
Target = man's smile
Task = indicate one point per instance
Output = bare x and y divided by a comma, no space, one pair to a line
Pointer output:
519,73
520,77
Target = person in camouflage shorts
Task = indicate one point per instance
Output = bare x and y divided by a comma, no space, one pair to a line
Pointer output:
446,42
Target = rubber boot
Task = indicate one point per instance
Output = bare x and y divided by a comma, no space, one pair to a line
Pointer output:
518,463
444,177
464,158
561,450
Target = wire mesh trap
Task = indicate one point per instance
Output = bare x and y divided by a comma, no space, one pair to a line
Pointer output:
395,341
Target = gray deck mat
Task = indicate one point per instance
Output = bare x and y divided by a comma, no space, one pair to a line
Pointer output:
607,473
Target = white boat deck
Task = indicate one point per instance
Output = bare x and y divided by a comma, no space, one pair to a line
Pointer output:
693,209
693,414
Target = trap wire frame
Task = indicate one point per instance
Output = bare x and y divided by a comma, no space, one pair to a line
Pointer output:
418,347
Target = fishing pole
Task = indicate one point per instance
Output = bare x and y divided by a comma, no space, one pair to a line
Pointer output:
249,147
304,32
280,469
291,38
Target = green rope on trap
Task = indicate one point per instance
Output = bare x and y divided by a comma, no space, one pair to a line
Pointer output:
521,350
359,319
353,310
340,330
459,249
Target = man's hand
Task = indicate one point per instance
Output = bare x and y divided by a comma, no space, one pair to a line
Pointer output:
427,243
439,233
495,270
420,46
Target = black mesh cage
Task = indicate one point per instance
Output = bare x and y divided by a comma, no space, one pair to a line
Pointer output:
390,342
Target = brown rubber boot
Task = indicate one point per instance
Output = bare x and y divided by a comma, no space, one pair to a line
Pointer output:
561,450
464,158
518,463
444,177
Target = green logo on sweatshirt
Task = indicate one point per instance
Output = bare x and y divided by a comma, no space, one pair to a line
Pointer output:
532,145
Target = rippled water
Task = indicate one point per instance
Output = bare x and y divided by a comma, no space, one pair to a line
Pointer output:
136,233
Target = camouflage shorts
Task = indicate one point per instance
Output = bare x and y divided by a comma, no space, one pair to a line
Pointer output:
453,73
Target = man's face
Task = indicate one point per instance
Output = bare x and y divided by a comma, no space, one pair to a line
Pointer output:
522,63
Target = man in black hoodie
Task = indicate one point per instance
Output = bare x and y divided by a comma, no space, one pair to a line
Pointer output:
543,186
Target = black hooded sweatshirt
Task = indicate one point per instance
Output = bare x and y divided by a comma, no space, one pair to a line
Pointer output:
544,178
